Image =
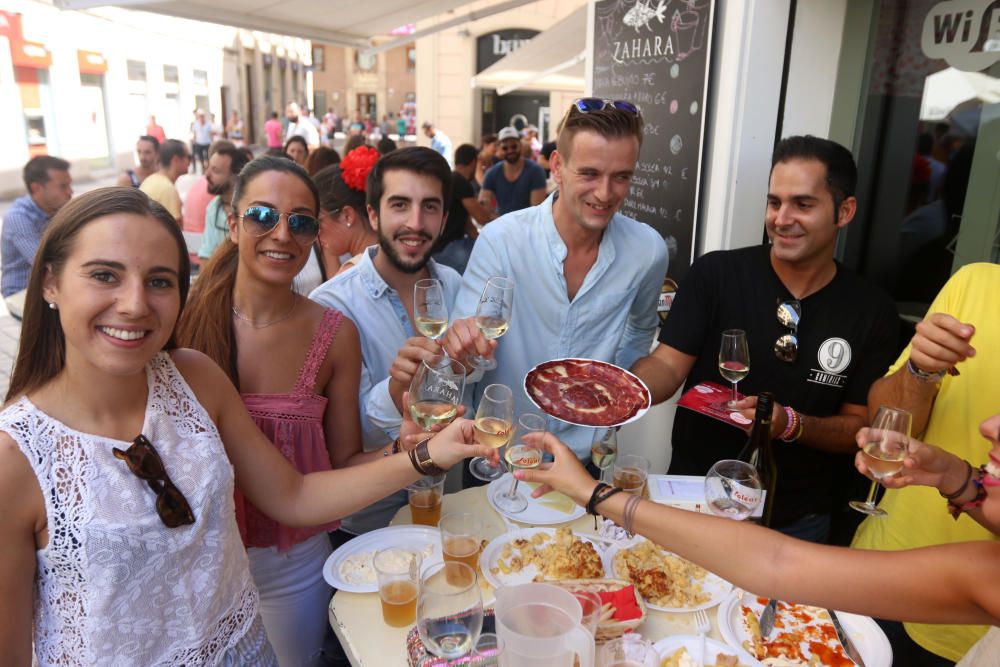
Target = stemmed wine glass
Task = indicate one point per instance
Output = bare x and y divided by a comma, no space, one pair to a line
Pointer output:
436,391
494,419
732,489
522,456
493,315
884,452
604,450
430,313
734,359
449,609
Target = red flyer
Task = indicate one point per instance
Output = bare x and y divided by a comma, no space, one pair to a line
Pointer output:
710,398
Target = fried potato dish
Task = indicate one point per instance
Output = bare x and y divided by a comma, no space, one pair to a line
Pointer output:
663,579
563,556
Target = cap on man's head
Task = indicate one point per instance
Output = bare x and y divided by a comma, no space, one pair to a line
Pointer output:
508,133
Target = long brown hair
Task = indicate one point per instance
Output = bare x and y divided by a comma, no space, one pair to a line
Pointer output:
42,351
207,325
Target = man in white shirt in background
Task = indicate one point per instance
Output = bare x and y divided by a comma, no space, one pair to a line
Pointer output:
300,125
440,142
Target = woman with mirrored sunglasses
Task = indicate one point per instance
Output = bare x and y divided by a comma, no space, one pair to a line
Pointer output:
119,455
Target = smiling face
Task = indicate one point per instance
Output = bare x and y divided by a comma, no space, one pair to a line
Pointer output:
510,150
410,218
594,178
800,218
117,293
276,257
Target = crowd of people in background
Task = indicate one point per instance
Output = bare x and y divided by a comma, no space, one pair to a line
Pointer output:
301,319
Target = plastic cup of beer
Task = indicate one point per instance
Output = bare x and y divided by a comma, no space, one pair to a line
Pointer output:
460,541
425,496
398,574
630,473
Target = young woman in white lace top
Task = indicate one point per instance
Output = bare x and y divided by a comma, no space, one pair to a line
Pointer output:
118,456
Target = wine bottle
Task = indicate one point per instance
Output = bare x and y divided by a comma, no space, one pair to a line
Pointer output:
759,453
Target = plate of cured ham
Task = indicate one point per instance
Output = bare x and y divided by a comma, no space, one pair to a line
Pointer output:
587,392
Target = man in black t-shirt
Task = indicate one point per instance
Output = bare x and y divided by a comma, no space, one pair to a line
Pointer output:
455,244
834,336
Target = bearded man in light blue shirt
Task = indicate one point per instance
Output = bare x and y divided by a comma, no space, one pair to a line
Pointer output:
587,278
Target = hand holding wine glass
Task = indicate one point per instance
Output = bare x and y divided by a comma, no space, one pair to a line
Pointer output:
494,420
524,453
734,360
436,391
430,313
884,452
493,315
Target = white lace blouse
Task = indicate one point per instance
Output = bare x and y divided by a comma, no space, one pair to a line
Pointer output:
114,585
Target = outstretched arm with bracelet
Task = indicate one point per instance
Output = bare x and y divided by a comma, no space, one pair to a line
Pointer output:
879,584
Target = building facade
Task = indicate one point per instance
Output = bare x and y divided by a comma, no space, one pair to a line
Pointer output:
82,84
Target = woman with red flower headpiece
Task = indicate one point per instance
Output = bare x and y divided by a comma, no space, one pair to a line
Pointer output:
345,230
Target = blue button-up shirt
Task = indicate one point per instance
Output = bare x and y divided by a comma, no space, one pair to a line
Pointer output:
442,144
612,317
378,311
22,231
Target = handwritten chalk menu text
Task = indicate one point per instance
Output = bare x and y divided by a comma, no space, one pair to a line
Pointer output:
655,54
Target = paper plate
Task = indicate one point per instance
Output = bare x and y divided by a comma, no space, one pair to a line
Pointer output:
544,511
667,647
417,538
492,553
715,586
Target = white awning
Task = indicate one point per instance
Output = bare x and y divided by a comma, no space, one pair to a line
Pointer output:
552,60
342,22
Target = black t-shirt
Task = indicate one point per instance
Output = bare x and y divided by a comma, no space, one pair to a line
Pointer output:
457,215
847,339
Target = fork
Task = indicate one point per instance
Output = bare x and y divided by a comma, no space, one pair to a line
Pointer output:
702,625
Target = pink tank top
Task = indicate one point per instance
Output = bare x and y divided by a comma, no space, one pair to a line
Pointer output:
294,423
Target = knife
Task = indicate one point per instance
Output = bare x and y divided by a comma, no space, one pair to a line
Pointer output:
849,647
767,618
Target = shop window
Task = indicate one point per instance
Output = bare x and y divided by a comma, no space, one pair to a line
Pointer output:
170,74
925,204
319,58
365,62
200,78
136,70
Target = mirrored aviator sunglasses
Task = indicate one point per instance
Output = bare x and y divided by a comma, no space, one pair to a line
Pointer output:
786,348
145,463
261,220
590,104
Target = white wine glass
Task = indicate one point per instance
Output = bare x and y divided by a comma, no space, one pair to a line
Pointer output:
734,360
436,391
494,419
430,313
521,455
732,489
888,440
493,315
604,450
449,609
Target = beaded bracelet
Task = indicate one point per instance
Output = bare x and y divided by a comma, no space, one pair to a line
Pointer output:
923,375
793,426
977,501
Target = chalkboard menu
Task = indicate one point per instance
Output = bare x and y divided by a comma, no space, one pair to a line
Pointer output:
655,53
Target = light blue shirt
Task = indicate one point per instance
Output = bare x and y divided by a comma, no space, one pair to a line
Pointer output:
612,317
378,312
216,228
441,143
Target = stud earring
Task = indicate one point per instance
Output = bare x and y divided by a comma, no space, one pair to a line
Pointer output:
53,306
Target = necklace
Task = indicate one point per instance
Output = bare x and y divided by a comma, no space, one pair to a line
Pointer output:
255,325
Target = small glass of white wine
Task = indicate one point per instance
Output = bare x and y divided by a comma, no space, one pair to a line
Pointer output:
494,419
604,450
521,456
493,315
734,360
888,443
430,313
436,391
